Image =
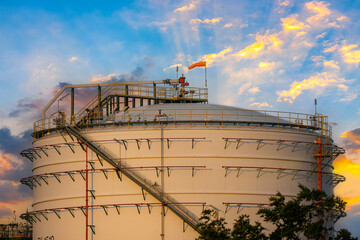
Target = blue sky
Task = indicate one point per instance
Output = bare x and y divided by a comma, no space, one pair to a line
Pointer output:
270,55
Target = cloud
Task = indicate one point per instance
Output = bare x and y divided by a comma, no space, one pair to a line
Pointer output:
265,66
349,166
331,48
13,193
195,22
208,21
284,3
27,105
349,98
320,9
254,90
4,211
291,23
320,60
351,171
72,59
172,66
5,163
213,57
108,78
228,25
262,41
10,144
323,16
321,80
263,104
188,7
331,64
251,50
185,8
349,55
12,169
243,88
136,75
351,140
165,24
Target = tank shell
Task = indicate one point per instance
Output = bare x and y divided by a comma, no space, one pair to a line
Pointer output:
200,165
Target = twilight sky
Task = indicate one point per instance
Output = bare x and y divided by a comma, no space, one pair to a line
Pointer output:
270,55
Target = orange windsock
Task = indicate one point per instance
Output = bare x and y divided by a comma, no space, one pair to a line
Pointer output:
198,64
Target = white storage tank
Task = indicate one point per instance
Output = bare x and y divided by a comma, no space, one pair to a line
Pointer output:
148,172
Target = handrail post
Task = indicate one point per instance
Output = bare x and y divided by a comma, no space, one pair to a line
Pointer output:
265,118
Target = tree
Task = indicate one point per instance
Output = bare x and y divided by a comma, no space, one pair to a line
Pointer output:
310,215
244,230
344,234
212,227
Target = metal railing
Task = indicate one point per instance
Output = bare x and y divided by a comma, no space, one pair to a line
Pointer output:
275,120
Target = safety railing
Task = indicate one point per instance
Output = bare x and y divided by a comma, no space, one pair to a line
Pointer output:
169,93
223,117
105,92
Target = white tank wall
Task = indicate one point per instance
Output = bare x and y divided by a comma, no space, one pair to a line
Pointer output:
209,185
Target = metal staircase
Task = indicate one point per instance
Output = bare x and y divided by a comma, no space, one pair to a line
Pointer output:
167,201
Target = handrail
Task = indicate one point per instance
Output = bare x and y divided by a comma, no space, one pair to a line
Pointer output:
238,117
92,103
100,85
187,216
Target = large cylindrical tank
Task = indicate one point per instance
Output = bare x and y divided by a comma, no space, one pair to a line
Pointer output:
202,155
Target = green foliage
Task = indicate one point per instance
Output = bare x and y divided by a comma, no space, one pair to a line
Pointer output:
344,234
244,230
310,215
212,227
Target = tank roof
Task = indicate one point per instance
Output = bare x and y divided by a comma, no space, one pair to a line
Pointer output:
188,106
195,112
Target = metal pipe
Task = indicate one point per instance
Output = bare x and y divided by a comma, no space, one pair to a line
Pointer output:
99,96
86,195
72,105
155,100
162,180
99,85
126,99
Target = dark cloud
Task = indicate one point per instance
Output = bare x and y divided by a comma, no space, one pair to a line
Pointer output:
350,222
333,124
12,194
138,72
63,84
27,104
14,168
4,211
12,146
136,75
351,140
